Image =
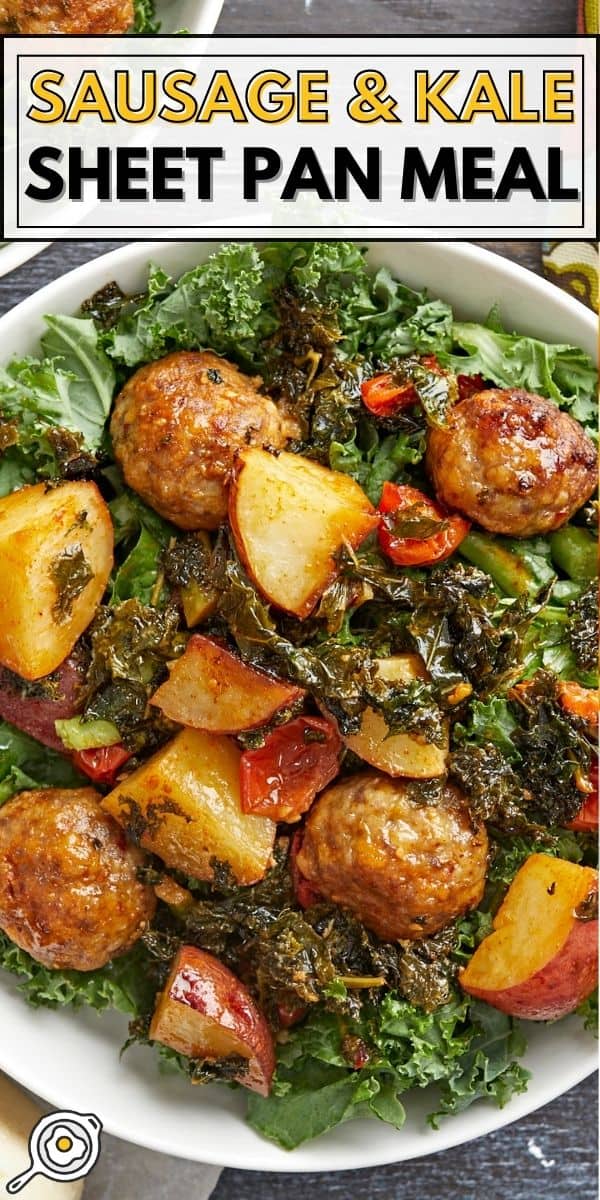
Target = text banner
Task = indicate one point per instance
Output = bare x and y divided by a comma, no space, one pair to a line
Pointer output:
396,137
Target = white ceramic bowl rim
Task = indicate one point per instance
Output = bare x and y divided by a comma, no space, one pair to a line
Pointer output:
198,17
71,1059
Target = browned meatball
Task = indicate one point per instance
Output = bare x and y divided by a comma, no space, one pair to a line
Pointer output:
404,868
66,16
512,461
176,427
69,893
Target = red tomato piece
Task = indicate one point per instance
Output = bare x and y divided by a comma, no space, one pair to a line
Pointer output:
469,385
582,702
305,893
384,396
282,778
360,1057
418,551
101,764
289,1015
586,820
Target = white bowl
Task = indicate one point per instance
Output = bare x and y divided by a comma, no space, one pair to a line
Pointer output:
71,1059
196,16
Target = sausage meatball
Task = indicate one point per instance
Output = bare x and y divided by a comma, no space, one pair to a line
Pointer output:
512,461
69,892
66,16
176,427
404,868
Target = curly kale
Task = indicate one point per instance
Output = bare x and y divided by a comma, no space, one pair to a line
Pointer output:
192,558
554,750
583,629
526,778
492,786
130,645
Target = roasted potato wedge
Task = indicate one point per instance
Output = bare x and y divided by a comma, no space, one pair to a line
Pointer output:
56,554
541,960
205,1012
211,688
402,753
183,804
289,518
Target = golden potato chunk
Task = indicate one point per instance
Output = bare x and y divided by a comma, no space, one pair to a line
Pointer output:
210,688
290,517
56,554
184,805
402,753
205,1011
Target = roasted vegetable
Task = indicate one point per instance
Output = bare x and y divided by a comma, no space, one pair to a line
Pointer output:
131,644
535,779
281,778
206,1013
415,531
187,565
210,688
289,518
541,960
184,805
378,740
554,751
583,629
56,550
415,380
575,551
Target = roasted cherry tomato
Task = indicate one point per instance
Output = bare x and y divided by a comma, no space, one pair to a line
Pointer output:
384,395
580,702
101,764
305,893
469,385
289,1015
436,533
586,820
282,778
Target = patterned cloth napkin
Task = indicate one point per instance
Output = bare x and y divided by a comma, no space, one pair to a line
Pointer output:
574,266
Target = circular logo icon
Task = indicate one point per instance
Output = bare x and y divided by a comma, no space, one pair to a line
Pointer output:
63,1146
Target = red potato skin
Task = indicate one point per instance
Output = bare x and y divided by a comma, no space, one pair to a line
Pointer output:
559,987
58,696
201,982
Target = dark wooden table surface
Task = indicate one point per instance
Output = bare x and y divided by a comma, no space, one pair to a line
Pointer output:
428,17
548,1156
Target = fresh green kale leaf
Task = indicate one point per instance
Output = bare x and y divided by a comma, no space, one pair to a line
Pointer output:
25,763
560,372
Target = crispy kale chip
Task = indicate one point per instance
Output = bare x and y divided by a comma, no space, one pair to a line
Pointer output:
583,629
519,761
130,645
